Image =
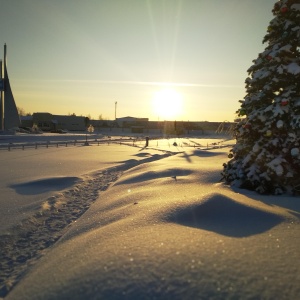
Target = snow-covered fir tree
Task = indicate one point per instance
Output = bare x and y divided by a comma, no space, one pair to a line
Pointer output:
266,157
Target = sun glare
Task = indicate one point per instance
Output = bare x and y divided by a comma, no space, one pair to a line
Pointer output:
167,104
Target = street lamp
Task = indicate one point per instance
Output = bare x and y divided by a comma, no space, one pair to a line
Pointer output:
90,130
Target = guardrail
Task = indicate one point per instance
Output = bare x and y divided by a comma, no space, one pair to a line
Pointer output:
57,144
130,141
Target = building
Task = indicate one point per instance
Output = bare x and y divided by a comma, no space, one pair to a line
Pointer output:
126,125
137,125
48,122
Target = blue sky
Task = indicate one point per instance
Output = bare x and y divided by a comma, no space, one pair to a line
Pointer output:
74,56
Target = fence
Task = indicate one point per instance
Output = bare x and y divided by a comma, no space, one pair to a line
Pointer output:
48,144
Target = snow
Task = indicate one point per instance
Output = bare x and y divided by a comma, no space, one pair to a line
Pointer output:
280,69
295,152
295,7
276,166
293,68
121,221
260,74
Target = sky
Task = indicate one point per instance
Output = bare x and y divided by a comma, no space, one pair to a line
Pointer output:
158,59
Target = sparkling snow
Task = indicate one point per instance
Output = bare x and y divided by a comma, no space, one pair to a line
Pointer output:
121,221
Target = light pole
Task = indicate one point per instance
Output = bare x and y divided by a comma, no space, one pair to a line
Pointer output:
116,110
90,130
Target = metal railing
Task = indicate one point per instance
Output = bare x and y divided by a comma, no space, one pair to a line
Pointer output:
57,144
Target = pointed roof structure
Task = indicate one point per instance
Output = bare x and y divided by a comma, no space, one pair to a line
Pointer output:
9,116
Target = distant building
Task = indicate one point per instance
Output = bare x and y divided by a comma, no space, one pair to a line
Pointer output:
137,125
48,122
127,121
71,123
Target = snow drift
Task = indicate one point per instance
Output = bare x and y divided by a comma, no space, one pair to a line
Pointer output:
169,229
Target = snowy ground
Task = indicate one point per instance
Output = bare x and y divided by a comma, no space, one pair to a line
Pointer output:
121,221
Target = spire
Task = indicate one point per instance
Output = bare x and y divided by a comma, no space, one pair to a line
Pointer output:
10,112
1,97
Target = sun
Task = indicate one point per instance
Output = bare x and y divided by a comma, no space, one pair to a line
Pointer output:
167,104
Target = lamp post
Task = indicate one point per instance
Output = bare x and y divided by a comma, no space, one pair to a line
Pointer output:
90,130
116,110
